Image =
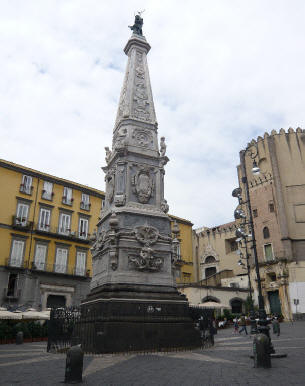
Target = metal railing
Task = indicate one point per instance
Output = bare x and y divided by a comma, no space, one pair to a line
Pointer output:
47,267
67,201
26,189
85,205
21,223
62,232
74,325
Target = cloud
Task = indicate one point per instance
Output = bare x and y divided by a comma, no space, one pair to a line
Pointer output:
222,73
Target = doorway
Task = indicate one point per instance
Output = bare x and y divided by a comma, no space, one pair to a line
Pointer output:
56,301
274,301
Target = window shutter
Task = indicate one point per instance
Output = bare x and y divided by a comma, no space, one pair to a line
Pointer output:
17,253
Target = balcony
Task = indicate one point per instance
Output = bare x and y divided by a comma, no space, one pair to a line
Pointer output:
27,189
21,223
62,233
15,263
85,205
11,294
67,200
60,269
47,195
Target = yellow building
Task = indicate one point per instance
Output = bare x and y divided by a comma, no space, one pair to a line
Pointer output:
45,225
45,228
186,273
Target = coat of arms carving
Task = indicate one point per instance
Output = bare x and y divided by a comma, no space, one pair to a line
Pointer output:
143,185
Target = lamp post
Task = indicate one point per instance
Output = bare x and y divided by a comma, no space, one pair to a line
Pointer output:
252,312
241,233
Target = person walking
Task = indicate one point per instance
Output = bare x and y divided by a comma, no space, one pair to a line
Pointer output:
243,324
235,326
276,326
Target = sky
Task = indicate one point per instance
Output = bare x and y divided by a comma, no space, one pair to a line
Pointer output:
222,73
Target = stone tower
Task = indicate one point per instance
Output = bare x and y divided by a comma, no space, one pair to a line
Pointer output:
133,251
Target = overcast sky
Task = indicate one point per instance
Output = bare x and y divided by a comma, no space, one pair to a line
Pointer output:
222,73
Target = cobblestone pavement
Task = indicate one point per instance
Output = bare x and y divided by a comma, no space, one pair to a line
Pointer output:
227,363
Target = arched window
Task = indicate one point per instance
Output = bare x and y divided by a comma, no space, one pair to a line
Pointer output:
210,259
266,233
210,299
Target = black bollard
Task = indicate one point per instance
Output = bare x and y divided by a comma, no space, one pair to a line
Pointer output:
74,365
19,337
261,351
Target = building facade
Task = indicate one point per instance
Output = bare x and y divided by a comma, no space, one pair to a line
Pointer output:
45,226
215,251
277,197
186,272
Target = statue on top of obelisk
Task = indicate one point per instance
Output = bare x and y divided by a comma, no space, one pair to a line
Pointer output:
138,23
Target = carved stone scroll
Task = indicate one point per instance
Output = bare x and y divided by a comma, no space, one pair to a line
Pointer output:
143,185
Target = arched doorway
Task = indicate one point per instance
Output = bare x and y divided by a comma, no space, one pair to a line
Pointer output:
237,306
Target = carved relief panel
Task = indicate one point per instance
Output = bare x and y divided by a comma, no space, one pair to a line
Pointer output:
142,137
143,185
141,108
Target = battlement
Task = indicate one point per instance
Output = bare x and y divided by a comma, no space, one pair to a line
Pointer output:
282,131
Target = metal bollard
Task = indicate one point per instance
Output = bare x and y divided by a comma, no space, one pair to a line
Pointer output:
261,351
19,337
74,365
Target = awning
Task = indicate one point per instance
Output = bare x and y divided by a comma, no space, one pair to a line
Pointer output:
211,305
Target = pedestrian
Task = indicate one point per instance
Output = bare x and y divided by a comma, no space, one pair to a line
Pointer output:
243,324
276,326
235,326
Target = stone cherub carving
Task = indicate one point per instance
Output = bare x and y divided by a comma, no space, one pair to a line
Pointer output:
138,23
108,154
162,146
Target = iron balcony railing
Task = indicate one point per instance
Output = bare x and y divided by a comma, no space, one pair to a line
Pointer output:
21,223
85,205
46,195
67,200
62,232
27,189
15,262
60,268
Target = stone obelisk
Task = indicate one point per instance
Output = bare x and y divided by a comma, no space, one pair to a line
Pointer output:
133,294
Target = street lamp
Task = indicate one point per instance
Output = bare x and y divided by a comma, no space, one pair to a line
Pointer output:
241,233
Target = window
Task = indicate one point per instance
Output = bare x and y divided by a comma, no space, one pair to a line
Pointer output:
64,224
186,277
85,202
234,285
47,191
44,219
272,276
83,228
67,196
268,252
210,259
266,233
233,246
271,207
61,260
80,268
17,253
254,212
22,214
26,184
40,256
12,285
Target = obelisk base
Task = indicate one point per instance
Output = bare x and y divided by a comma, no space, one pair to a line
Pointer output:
120,322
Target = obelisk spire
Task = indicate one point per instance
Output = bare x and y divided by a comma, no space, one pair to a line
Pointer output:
136,100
